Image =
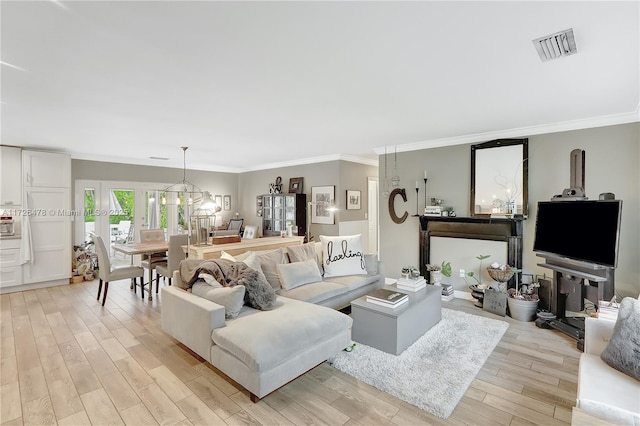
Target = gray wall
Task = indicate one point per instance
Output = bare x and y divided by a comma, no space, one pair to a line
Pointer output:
244,187
612,165
215,182
342,174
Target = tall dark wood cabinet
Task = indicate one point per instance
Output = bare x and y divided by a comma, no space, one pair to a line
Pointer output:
281,210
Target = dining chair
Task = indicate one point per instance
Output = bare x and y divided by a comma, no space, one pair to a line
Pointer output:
150,236
235,224
108,273
175,256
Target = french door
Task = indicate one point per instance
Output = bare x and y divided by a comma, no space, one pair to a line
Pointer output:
117,211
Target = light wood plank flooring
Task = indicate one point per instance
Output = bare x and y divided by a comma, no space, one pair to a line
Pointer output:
68,360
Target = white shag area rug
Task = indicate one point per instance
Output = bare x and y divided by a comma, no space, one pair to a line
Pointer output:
437,369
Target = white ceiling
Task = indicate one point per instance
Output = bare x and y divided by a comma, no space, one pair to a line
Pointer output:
251,85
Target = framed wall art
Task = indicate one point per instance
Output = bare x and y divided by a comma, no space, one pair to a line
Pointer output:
295,185
218,200
353,199
250,232
322,199
227,202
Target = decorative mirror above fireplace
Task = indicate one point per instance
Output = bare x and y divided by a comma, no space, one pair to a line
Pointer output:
499,178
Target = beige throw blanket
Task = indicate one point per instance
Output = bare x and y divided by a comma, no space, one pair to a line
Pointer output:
259,294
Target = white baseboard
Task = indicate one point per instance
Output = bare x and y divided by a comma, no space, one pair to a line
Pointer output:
459,294
34,286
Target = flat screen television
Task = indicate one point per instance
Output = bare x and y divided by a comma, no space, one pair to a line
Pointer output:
587,231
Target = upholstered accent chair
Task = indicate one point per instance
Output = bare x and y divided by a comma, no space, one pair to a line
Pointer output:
150,236
175,255
108,273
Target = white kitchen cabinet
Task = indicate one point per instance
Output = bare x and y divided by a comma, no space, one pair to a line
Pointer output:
10,270
11,187
46,169
50,234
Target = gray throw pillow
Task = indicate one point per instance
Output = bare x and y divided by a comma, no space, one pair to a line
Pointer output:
269,259
294,275
623,350
232,298
304,252
301,252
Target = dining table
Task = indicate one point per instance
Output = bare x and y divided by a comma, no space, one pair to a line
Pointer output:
146,250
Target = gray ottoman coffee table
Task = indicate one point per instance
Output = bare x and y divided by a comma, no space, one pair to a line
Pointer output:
394,330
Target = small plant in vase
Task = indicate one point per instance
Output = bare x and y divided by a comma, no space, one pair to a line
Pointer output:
438,270
478,279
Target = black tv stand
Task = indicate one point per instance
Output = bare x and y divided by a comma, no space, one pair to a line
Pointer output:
572,327
569,291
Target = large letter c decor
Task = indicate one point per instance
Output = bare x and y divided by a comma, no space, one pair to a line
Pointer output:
392,211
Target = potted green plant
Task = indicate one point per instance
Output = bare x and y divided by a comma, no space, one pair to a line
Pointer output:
438,270
478,278
435,271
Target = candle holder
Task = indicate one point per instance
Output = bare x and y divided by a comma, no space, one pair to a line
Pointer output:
425,192
417,208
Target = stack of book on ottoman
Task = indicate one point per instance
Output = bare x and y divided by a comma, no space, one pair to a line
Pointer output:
412,284
388,298
447,292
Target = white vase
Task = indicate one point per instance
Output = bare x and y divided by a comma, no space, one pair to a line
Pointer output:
522,310
435,277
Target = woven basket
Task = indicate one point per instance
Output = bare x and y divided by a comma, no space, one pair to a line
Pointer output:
500,275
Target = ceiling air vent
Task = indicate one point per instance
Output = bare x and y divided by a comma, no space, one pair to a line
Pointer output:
556,45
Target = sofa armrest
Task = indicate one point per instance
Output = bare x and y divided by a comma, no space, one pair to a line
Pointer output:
190,319
374,266
597,333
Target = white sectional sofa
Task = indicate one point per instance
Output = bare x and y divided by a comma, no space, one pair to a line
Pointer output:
604,392
264,350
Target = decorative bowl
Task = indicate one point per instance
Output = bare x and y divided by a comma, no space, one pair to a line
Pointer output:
502,276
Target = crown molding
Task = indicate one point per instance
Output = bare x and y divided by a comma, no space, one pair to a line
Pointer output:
565,126
222,169
172,164
315,160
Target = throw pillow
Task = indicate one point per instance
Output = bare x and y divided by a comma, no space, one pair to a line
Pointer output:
304,252
269,259
227,256
253,262
294,275
208,278
343,255
232,298
622,351
237,258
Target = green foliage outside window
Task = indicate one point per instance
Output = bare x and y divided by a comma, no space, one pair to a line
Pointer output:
126,199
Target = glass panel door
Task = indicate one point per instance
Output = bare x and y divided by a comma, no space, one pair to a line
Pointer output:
121,215
267,214
289,211
278,213
89,213
155,212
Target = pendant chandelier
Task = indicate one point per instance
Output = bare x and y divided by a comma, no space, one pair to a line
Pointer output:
192,195
395,179
385,183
